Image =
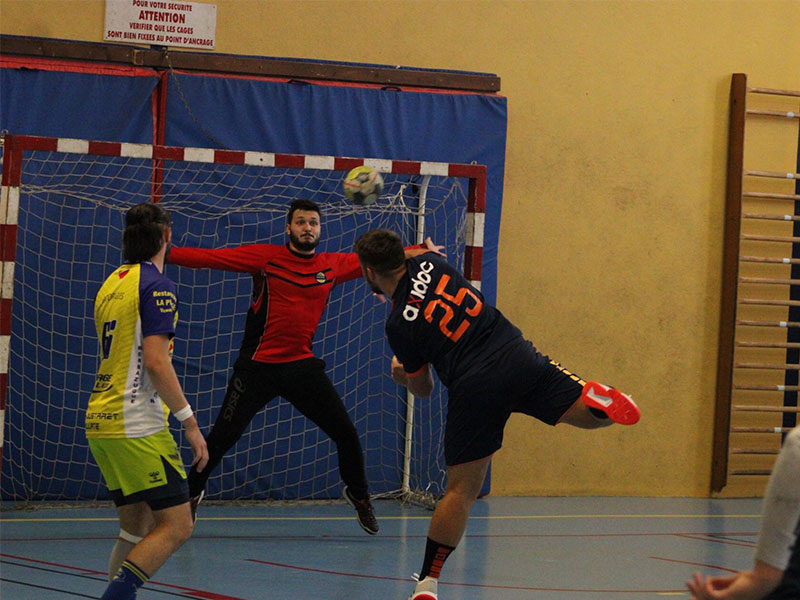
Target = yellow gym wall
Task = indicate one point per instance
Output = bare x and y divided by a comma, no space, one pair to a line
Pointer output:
611,236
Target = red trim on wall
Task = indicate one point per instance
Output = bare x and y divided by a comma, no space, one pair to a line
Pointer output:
159,102
71,66
160,108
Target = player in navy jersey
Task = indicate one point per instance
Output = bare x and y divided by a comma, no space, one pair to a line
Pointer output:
490,371
291,285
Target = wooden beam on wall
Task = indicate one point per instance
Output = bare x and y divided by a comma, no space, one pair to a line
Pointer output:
730,275
159,58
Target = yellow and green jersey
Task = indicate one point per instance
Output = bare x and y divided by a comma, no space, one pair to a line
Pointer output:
134,302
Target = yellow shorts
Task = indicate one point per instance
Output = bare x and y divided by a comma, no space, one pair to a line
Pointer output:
145,469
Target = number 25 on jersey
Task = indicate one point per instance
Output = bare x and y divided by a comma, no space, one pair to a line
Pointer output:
445,301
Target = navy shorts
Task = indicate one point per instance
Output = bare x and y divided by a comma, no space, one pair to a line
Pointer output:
516,379
173,493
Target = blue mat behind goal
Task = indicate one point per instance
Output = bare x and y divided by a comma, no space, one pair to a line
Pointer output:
53,350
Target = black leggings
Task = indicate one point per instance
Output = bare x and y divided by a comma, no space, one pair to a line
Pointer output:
306,386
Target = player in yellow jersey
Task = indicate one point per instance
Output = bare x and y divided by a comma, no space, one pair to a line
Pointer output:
135,390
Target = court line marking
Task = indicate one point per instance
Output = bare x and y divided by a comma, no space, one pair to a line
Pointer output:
192,592
457,584
391,518
693,564
214,596
715,539
28,584
337,536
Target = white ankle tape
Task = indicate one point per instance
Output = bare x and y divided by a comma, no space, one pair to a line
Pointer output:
129,537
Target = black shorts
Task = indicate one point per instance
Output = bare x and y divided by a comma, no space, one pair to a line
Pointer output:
517,379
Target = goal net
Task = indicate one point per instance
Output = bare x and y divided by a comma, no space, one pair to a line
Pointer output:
64,203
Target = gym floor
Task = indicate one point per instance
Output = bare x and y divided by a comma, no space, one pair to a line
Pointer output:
514,548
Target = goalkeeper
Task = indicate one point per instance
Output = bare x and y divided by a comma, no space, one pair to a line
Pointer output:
489,369
291,285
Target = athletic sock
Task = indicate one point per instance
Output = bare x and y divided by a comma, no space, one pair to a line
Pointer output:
120,550
126,582
435,555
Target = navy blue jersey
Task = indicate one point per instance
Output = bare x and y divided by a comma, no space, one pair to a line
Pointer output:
439,318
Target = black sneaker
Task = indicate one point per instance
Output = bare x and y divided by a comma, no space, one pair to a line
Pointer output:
193,502
364,513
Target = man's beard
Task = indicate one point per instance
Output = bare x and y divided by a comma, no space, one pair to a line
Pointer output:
301,245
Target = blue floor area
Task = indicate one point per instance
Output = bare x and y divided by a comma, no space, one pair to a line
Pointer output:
514,549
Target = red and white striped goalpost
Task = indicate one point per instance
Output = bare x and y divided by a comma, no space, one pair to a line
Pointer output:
15,147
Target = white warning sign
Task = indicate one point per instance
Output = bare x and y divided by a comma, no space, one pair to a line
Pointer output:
161,22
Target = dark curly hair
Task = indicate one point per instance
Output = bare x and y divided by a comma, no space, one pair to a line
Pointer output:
301,204
144,229
382,250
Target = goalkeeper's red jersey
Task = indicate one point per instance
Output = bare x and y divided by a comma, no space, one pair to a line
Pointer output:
290,292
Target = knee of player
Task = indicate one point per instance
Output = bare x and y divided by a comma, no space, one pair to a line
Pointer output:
464,496
134,532
181,530
466,490
183,536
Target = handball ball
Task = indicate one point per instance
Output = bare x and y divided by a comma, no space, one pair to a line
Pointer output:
363,185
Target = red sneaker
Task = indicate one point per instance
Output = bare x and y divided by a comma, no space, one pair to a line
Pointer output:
619,407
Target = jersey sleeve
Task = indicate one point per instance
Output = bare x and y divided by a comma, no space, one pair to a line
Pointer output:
243,259
158,307
345,266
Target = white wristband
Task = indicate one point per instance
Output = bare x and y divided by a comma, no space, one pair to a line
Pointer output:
184,413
